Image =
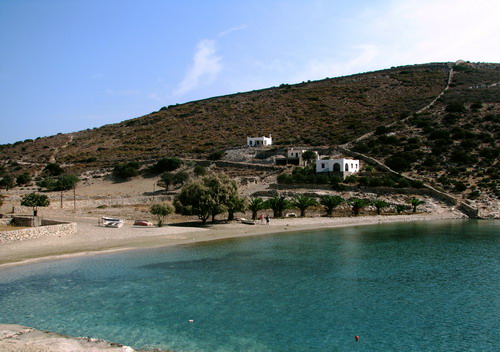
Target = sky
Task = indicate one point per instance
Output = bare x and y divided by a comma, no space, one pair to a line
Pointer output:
69,65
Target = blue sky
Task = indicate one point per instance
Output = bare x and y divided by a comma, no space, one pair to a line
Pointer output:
69,65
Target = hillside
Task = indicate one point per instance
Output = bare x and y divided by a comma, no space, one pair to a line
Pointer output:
326,112
392,115
453,145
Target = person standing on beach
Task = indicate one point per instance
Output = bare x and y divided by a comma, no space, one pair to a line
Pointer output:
267,219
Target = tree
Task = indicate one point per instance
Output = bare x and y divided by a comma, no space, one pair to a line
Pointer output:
35,200
166,179
161,210
278,204
221,189
166,164
59,183
181,177
415,202
303,202
7,182
53,169
23,179
66,182
235,204
357,204
195,197
255,205
380,204
309,156
126,171
400,208
330,203
209,196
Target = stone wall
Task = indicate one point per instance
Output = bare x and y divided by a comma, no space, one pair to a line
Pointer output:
463,207
61,229
377,190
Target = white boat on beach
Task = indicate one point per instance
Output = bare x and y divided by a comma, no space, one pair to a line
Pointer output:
111,222
247,222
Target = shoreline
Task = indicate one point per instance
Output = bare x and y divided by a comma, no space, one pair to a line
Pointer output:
17,338
94,240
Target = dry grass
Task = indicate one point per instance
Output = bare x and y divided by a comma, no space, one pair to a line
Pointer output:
11,228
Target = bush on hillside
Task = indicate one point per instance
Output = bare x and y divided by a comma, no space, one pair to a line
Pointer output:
126,170
165,165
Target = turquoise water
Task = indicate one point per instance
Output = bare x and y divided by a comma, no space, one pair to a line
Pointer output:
399,287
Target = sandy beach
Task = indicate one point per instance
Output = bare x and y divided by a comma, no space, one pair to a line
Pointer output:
92,239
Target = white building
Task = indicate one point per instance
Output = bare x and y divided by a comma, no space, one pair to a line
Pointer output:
259,141
350,166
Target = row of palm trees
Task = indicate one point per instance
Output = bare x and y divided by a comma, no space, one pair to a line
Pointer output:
302,202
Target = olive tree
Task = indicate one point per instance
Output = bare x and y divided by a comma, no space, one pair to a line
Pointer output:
35,200
161,210
209,196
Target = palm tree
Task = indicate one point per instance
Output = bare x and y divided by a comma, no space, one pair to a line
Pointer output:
235,204
255,205
278,204
380,204
357,204
303,202
330,203
400,208
415,202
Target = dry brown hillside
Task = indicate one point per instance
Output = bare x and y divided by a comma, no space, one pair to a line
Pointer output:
452,144
326,112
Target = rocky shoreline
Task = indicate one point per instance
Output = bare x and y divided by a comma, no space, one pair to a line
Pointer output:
19,338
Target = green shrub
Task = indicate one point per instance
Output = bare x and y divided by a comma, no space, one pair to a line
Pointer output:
126,170
23,179
455,107
216,155
460,186
166,164
397,163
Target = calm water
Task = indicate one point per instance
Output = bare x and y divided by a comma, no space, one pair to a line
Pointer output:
400,287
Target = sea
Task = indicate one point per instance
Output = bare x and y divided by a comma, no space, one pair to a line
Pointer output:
418,286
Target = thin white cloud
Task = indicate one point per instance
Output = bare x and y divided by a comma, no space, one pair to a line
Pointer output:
360,58
205,68
231,30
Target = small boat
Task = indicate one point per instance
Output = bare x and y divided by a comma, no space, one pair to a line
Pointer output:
247,222
111,222
142,223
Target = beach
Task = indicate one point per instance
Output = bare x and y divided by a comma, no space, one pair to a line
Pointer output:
91,239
